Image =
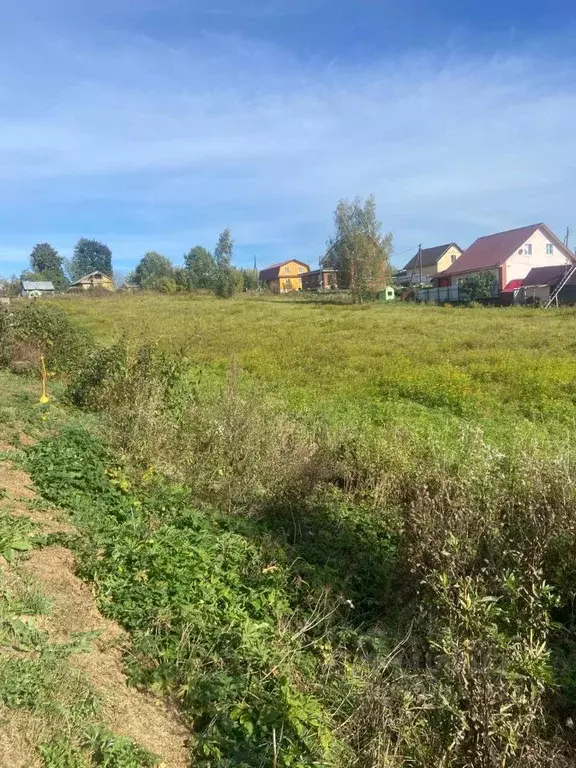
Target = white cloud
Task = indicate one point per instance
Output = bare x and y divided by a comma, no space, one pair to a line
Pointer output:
228,131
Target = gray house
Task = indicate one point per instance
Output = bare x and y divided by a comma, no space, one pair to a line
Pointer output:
35,288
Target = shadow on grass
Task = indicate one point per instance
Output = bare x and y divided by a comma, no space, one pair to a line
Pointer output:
343,547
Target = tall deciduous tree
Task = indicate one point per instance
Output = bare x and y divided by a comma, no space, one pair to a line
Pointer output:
46,264
358,249
201,266
90,256
226,282
152,267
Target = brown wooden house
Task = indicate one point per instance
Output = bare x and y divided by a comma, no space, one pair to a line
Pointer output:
320,280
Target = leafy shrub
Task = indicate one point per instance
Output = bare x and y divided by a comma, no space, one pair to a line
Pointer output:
99,748
481,285
29,329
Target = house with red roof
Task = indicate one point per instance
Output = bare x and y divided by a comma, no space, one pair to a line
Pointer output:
510,256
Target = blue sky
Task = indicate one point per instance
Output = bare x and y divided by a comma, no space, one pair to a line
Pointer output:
153,124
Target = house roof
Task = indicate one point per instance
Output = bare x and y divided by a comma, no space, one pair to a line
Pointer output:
430,256
513,285
492,251
273,271
37,285
547,276
92,274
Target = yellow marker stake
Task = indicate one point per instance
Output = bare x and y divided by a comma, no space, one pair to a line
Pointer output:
44,397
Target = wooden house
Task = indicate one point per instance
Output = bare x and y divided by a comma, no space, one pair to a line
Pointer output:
285,276
427,263
95,280
320,280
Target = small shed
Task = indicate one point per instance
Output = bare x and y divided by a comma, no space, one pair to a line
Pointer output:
541,282
35,288
387,294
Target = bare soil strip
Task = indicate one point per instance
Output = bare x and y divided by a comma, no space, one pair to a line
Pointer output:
145,719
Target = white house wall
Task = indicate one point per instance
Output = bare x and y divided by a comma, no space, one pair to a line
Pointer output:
519,264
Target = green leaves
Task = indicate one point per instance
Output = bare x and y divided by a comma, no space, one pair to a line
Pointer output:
90,256
14,536
152,267
210,608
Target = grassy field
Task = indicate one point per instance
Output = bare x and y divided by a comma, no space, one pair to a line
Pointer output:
337,535
507,368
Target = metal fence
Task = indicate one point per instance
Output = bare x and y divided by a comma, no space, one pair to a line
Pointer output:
450,294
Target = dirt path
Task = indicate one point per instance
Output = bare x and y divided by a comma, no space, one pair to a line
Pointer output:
145,719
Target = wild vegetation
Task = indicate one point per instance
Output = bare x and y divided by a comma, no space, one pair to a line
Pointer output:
338,535
52,714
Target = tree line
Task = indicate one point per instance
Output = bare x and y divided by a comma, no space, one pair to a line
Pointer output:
358,250
202,270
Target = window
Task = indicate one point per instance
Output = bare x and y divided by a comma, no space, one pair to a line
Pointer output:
549,249
528,249
287,270
453,257
300,270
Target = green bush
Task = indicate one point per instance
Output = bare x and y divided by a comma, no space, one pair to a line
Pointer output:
193,424
33,328
481,285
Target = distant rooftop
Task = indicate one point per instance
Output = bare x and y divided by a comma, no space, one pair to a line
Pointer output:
37,285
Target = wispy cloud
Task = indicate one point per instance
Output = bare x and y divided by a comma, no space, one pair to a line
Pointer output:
144,143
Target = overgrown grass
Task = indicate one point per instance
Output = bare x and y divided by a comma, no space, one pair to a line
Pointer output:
339,535
429,365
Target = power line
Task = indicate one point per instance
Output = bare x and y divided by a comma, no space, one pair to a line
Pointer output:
399,253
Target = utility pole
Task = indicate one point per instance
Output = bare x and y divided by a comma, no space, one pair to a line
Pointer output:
417,263
567,237
255,265
420,261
